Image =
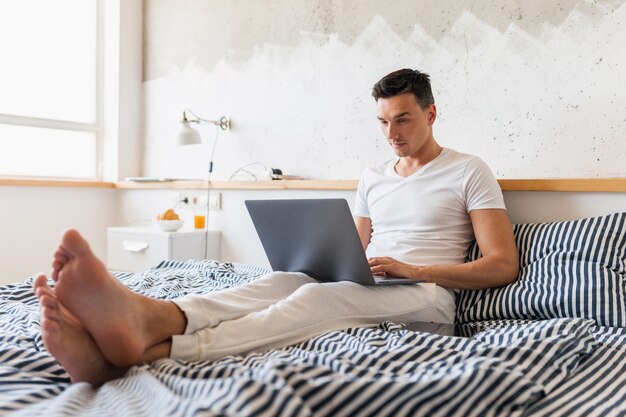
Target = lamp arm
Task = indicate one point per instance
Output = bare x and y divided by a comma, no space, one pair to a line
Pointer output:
223,122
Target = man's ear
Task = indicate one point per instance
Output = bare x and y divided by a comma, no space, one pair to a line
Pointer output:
432,114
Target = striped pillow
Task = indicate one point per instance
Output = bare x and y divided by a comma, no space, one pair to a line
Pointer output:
570,269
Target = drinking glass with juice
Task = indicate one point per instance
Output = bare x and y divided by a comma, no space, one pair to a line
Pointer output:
199,221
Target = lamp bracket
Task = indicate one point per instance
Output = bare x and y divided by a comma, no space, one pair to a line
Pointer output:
223,122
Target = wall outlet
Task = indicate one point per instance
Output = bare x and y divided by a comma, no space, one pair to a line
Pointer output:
215,201
199,199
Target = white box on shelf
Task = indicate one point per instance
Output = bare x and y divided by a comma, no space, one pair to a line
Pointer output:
140,248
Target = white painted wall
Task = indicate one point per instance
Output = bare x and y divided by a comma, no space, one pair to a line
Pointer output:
534,207
121,114
33,219
240,242
239,239
531,87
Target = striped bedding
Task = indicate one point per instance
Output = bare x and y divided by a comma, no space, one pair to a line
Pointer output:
568,269
555,367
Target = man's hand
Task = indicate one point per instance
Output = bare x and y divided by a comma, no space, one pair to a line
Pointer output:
385,265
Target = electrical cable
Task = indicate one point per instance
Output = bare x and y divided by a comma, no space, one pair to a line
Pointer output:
233,176
208,194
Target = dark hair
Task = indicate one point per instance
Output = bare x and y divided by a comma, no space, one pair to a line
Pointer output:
405,81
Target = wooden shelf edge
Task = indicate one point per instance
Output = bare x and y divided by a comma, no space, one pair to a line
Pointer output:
13,182
617,185
611,185
243,185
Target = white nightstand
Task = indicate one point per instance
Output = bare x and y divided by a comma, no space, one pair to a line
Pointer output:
140,248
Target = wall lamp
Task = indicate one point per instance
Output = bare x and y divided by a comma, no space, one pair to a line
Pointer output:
187,135
190,136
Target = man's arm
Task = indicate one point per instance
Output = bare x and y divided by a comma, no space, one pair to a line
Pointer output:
364,227
499,265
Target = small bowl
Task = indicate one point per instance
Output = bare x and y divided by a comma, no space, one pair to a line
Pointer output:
169,225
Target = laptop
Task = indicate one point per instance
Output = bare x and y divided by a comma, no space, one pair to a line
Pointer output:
315,236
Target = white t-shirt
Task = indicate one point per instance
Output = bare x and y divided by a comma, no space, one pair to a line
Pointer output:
423,219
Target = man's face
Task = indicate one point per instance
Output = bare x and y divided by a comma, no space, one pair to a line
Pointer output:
406,126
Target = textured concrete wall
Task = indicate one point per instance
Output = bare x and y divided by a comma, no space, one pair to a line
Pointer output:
533,87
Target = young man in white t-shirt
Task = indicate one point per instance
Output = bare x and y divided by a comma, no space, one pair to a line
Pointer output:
415,215
426,205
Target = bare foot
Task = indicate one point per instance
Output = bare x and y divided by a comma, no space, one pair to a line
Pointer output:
69,342
124,324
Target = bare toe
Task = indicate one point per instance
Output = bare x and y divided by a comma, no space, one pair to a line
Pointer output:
76,350
98,301
49,325
50,303
74,243
40,282
60,259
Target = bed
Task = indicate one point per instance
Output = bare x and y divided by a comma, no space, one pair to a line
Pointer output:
551,344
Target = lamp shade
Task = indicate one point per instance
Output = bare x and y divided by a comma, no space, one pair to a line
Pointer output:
187,135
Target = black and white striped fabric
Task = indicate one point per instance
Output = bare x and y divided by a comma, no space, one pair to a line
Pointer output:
570,269
559,367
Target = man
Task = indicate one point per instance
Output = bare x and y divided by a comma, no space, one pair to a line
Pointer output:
415,215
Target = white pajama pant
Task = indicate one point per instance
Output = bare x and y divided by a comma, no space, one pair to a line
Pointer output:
281,309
